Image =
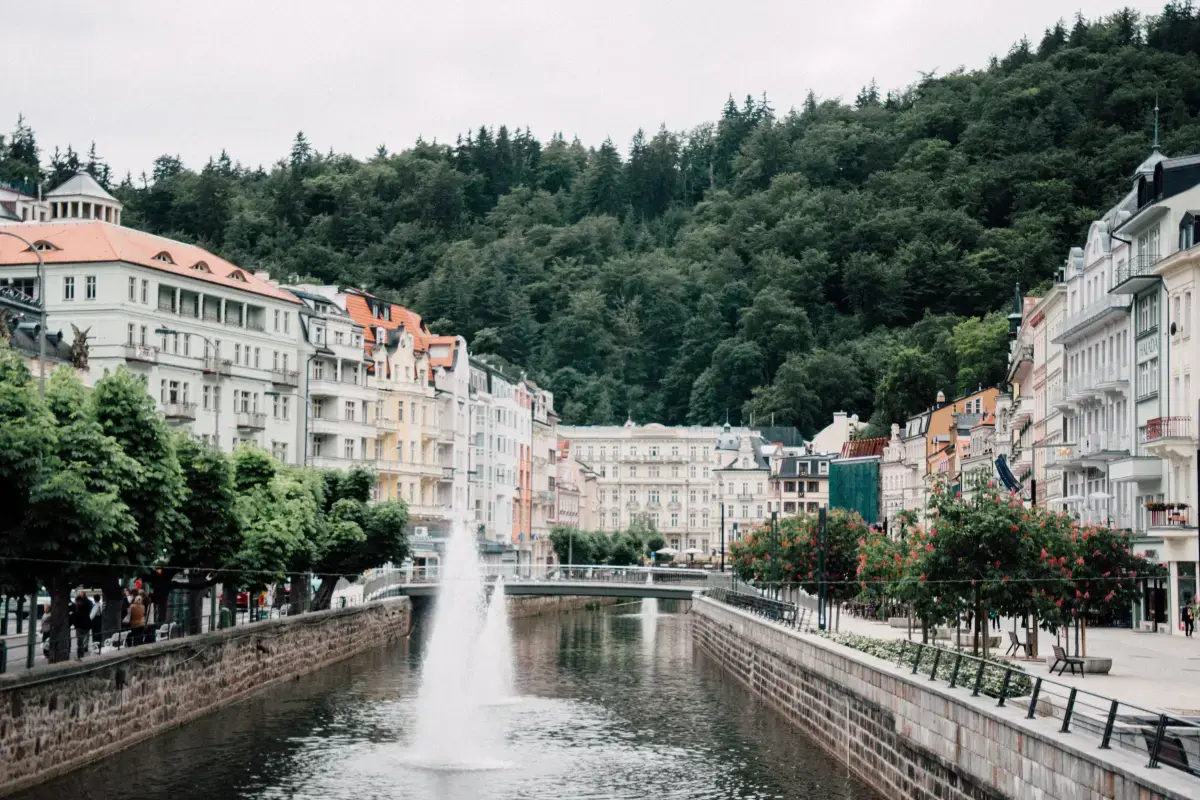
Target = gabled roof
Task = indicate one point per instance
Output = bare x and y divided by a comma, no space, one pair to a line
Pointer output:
81,184
358,304
863,448
92,241
446,360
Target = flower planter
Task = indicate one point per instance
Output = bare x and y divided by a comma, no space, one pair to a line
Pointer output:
900,622
1095,665
967,640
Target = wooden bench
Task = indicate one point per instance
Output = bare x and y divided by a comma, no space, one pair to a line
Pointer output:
1067,661
1016,645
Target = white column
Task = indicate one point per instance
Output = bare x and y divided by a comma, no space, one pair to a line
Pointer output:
221,312
178,301
1173,618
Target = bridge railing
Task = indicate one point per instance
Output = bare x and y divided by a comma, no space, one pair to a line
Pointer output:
382,582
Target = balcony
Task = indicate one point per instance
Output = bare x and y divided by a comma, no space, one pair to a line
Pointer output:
1169,436
1102,446
543,496
285,377
1022,410
447,474
1057,398
1170,520
141,352
1112,377
1094,314
745,498
217,366
251,420
183,412
256,324
1137,275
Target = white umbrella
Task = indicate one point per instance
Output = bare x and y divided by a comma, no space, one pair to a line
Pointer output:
1100,496
693,551
1071,499
667,551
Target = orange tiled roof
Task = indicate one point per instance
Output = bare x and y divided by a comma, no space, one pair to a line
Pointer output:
94,241
360,312
861,448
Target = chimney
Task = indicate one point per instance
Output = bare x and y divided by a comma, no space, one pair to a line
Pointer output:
941,400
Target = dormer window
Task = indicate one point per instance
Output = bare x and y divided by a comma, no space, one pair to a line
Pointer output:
237,275
1158,181
200,266
42,246
1189,230
164,257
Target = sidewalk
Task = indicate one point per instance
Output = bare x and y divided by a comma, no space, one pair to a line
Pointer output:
1151,670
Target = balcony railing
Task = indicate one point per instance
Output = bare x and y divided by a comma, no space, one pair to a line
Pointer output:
1161,428
256,324
1092,312
184,411
141,352
1111,373
253,420
285,377
1138,267
217,366
1170,518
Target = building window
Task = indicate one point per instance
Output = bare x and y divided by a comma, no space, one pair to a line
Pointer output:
132,289
789,508
616,520
145,291
348,448
142,337
814,486
349,411
745,512
207,395
275,406
286,317
89,287
759,510
704,520
674,520
318,370
129,334
823,469
633,495
279,451
237,353
652,496
276,320
256,357
68,288
633,472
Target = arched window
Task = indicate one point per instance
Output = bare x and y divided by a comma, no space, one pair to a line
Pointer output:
164,257
42,246
237,275
200,266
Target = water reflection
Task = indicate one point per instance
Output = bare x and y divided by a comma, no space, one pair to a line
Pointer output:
613,705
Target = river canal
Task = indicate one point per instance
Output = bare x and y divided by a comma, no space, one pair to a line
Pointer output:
614,704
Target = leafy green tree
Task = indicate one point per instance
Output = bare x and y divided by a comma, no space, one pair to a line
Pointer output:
155,494
78,518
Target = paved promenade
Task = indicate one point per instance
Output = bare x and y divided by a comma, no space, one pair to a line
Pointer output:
1152,670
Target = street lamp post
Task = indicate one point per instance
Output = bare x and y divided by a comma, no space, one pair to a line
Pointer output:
31,641
217,364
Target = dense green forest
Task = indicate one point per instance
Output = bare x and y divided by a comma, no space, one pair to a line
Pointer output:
838,256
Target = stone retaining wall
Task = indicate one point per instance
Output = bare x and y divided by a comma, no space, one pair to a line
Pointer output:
532,606
909,738
57,718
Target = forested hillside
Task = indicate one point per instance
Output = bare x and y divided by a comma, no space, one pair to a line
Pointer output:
851,256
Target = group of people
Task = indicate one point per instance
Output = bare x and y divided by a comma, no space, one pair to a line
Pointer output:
86,618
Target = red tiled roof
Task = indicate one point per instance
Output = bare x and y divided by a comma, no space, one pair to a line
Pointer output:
360,312
94,241
862,448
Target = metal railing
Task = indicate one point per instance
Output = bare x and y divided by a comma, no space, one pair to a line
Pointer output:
1138,266
383,582
14,646
1164,738
1167,428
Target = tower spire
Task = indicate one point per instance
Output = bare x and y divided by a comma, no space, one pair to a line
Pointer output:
1156,121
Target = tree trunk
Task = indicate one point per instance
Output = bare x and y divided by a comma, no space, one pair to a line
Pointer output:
1031,635
1083,636
20,611
60,625
114,605
978,621
195,606
324,594
300,599
160,593
229,595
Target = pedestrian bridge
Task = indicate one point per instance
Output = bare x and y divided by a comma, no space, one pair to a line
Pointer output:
662,583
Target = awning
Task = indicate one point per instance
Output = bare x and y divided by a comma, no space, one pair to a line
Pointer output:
1006,476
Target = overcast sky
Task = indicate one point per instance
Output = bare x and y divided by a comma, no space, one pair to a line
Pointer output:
146,77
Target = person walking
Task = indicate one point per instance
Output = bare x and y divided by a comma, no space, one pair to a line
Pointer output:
1189,620
137,620
81,620
97,621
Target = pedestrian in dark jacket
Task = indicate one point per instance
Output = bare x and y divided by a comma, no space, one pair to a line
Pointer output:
81,620
97,621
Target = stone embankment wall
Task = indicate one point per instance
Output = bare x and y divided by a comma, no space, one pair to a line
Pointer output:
533,606
909,738
55,719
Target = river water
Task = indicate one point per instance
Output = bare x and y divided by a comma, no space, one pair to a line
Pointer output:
614,704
